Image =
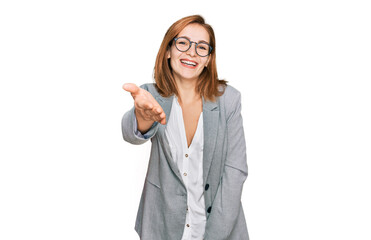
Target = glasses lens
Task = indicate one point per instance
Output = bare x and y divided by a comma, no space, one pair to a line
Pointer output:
203,49
182,44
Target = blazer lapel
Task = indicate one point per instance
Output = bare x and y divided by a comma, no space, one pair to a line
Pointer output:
166,104
211,122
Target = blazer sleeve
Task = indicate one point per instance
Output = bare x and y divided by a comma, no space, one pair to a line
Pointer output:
227,203
129,127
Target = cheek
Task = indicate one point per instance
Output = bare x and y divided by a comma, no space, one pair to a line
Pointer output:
204,63
174,59
172,62
174,53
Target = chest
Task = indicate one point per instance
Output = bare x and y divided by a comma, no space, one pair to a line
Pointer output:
191,114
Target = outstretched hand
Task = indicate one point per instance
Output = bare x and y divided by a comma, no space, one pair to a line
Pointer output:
146,107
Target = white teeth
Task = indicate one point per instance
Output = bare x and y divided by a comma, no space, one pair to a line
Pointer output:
188,62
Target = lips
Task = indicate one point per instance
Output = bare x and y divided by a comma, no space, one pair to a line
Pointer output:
188,63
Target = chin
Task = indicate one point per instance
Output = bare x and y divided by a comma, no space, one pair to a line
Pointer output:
190,77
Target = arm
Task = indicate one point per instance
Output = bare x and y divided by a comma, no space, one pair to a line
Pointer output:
227,202
130,130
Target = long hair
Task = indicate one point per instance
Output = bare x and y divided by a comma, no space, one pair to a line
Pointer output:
208,85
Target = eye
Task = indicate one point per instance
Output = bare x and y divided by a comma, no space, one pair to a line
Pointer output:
203,47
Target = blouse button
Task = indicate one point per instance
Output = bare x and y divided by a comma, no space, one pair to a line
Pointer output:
187,225
185,174
186,155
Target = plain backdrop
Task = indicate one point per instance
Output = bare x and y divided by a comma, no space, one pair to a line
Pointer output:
302,67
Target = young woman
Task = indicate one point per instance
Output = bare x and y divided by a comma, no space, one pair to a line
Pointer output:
197,164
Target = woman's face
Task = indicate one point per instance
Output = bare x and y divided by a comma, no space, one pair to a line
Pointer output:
182,71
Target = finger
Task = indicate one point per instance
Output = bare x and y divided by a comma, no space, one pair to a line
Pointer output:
146,116
163,121
145,105
159,110
155,116
163,115
141,113
156,111
132,88
148,113
161,118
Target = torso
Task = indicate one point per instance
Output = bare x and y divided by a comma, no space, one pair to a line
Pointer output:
191,114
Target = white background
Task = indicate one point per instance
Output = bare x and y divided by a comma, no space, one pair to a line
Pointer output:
303,68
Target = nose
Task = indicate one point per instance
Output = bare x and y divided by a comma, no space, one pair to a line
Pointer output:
192,50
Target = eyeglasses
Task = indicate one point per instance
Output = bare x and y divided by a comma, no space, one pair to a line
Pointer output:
183,44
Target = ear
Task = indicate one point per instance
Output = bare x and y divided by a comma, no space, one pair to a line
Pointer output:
168,54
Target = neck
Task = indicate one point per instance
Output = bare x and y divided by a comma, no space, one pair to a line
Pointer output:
187,91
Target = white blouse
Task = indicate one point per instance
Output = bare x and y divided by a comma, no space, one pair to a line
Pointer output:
190,164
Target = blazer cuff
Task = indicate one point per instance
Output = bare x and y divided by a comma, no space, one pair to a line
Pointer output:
130,130
149,134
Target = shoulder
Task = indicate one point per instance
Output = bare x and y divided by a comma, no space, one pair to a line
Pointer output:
230,101
230,96
230,91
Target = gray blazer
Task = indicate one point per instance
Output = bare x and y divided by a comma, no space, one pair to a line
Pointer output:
163,205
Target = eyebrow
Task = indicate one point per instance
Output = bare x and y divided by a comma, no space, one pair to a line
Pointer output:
201,41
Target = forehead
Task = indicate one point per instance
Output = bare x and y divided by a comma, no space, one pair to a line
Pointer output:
195,32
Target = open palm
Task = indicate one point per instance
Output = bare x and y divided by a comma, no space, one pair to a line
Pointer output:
146,107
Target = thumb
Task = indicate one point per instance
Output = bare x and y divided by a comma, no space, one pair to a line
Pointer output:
131,87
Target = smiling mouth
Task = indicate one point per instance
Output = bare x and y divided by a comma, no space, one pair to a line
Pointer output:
189,64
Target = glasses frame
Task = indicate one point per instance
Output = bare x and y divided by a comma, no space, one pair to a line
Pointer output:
190,45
